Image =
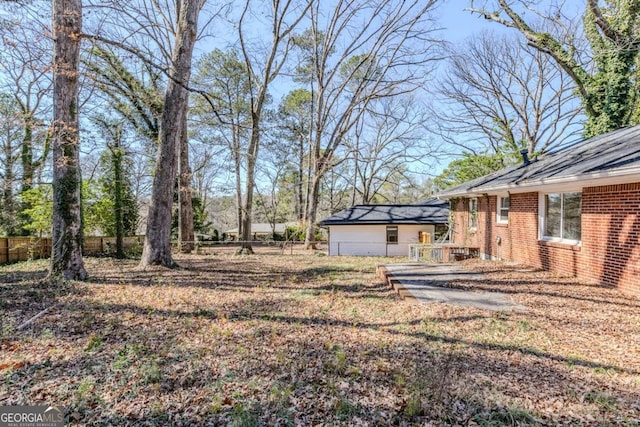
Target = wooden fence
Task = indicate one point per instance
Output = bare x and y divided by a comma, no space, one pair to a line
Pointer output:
14,249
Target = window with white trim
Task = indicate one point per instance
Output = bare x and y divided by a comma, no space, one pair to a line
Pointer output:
473,213
503,209
561,217
392,234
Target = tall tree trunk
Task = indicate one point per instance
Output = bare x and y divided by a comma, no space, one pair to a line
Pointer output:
238,169
116,154
26,159
26,155
7,204
307,190
157,245
66,251
30,165
247,208
259,87
314,200
354,185
310,151
299,186
186,235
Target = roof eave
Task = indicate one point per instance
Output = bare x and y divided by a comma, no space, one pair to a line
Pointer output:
382,222
618,176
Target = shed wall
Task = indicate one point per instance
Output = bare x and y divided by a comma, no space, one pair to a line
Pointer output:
371,240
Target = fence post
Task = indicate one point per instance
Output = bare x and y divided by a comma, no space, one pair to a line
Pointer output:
6,246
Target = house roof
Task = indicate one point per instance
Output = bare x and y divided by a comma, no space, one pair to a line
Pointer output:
612,158
431,211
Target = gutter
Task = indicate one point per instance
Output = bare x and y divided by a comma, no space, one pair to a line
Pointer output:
383,222
618,176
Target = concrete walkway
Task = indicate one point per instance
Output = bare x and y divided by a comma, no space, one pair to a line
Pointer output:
427,283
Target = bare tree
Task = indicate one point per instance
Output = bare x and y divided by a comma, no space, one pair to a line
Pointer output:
270,198
604,74
335,187
148,30
208,165
387,138
293,114
186,233
500,96
157,246
144,29
363,51
208,147
10,136
66,251
135,87
24,61
284,16
224,77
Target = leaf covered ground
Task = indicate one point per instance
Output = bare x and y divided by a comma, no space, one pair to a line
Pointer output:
298,339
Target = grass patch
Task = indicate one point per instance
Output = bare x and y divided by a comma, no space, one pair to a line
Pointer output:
94,341
245,417
511,416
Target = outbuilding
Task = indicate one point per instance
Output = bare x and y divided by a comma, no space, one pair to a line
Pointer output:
386,230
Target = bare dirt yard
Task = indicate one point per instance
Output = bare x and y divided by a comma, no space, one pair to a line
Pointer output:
301,339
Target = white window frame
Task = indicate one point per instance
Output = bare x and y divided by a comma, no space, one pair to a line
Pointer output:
473,200
397,234
542,220
500,208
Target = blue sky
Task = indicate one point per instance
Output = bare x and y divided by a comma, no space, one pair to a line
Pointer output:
459,23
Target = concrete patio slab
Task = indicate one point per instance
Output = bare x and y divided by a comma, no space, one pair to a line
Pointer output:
428,283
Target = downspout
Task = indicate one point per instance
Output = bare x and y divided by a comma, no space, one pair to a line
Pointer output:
510,230
488,229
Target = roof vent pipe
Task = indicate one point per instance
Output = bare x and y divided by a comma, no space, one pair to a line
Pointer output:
525,156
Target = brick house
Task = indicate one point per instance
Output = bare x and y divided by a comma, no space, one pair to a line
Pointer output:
575,211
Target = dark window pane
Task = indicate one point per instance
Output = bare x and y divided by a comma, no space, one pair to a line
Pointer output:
504,209
553,211
571,216
504,202
473,213
392,234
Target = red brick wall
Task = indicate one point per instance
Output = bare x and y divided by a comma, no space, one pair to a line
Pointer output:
610,249
610,230
485,235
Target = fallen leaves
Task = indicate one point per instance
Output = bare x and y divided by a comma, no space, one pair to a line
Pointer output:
300,340
12,365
